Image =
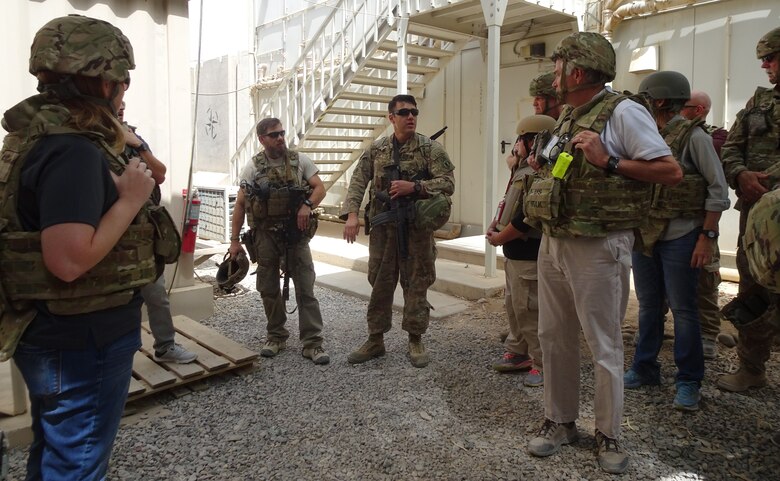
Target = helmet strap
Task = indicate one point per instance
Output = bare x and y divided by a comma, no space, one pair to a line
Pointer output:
65,89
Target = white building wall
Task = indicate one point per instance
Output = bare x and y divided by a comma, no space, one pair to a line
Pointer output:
158,101
714,46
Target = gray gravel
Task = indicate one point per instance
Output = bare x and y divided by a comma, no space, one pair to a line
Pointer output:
287,419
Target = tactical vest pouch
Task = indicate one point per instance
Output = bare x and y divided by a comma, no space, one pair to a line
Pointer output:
432,213
311,229
167,240
258,209
611,200
279,203
542,200
685,200
12,325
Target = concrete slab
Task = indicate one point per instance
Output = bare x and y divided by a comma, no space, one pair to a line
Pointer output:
355,284
195,301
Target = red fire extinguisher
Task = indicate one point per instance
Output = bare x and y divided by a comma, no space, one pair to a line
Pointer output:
191,223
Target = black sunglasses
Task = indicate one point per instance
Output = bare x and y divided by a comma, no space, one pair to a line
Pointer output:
406,112
275,135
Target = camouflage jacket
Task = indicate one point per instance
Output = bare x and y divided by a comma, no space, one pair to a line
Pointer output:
420,158
753,142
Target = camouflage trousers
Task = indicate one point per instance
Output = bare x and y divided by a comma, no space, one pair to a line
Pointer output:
707,298
270,256
417,273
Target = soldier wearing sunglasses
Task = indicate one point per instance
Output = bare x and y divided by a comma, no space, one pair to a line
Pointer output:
752,147
425,171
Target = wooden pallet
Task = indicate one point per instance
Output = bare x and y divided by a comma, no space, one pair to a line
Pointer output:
216,354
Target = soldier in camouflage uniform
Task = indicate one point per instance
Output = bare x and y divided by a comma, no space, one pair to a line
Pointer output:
425,173
546,100
678,235
76,243
280,189
591,191
753,147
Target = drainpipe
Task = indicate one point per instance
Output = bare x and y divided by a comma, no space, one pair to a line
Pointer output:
726,75
636,8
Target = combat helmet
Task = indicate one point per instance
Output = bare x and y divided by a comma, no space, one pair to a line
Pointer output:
79,45
533,124
666,85
769,43
762,240
588,50
232,270
542,86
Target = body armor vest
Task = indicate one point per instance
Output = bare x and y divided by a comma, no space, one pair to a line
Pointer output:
762,124
586,201
683,201
413,166
23,275
272,197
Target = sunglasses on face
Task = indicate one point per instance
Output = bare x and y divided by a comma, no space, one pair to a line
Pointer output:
768,58
275,135
406,112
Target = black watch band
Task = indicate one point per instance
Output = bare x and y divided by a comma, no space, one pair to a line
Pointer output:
612,164
417,187
309,203
710,234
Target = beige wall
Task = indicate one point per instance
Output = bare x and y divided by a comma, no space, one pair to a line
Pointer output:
158,101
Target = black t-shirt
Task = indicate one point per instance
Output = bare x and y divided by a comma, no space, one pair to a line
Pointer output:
66,179
519,249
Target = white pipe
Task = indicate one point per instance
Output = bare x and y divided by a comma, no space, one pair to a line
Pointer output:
640,7
726,74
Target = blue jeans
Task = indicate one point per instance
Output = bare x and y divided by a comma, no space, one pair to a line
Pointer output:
76,402
668,272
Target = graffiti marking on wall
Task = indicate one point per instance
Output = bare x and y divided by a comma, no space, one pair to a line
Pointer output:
211,124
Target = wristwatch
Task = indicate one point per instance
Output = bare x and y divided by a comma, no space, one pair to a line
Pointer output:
710,234
417,187
141,148
612,164
309,203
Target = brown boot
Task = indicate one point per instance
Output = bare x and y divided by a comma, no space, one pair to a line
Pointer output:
742,380
417,354
374,347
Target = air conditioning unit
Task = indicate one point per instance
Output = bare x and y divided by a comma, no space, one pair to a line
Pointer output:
533,50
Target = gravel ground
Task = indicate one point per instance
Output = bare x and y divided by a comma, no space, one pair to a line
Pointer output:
457,419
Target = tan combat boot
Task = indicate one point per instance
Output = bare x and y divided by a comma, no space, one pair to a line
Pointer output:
417,354
374,347
742,380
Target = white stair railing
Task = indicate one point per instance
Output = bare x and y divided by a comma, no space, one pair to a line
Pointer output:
329,61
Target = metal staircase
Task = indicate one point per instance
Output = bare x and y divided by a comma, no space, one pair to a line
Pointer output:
333,101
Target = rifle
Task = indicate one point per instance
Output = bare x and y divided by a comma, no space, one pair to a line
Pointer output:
401,209
292,235
438,133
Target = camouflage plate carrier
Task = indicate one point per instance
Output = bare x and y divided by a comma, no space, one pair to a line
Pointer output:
430,213
587,201
683,201
23,274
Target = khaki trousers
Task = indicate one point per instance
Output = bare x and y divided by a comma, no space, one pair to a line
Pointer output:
522,309
584,282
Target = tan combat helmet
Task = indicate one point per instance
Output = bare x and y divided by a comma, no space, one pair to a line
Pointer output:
533,124
79,45
762,241
587,50
769,43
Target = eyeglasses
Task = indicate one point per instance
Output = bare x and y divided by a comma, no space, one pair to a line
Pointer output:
274,135
406,112
768,58
126,83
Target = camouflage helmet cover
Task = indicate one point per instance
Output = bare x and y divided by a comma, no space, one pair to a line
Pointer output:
762,241
80,45
533,124
666,85
588,50
769,43
432,213
232,270
542,86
